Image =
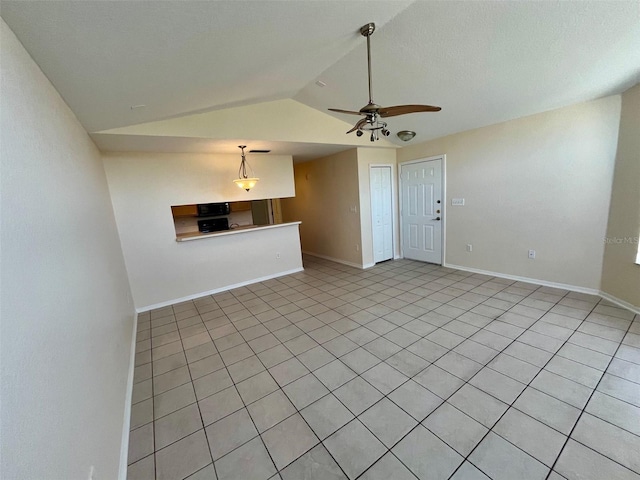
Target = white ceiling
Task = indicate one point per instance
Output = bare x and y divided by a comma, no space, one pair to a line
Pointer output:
482,62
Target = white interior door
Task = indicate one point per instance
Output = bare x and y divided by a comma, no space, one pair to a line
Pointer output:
381,213
422,210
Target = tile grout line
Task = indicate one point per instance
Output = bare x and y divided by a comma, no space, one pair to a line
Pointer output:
582,412
295,356
330,392
297,412
529,386
444,401
204,429
153,403
466,458
396,326
379,335
280,388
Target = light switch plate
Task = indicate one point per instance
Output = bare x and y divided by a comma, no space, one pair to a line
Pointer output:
457,202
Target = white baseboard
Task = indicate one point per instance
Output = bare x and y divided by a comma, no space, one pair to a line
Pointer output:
337,260
564,286
217,290
124,449
622,303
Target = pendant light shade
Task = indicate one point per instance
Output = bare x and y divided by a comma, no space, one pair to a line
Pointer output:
245,181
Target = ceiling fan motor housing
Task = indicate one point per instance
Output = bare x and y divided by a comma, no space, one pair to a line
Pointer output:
367,29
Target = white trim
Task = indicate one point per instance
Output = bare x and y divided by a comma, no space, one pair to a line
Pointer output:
400,192
217,290
564,286
444,207
394,207
396,212
423,159
337,260
622,303
124,446
443,159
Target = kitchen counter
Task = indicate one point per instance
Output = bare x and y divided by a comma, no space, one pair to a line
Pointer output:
186,237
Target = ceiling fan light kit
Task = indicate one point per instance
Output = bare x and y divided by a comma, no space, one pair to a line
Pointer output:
373,113
244,181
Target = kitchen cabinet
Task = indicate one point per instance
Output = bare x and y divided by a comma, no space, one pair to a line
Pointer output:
240,206
184,210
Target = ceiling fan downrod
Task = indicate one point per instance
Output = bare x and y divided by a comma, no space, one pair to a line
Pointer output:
366,31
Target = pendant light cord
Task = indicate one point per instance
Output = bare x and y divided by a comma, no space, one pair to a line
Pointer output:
242,170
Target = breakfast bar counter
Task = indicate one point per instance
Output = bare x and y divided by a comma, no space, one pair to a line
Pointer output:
187,237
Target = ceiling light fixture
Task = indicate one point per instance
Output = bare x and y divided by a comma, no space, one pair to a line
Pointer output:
406,135
243,180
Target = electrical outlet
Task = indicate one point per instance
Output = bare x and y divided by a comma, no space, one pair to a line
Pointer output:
532,254
278,256
357,247
469,247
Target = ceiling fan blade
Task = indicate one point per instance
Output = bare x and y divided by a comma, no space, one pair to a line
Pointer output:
350,112
359,125
404,109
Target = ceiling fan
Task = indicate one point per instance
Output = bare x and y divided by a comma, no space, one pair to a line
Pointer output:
372,112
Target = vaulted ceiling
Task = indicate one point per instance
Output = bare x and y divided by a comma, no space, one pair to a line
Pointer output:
482,62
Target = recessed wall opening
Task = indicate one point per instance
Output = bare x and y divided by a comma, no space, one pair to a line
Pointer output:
205,218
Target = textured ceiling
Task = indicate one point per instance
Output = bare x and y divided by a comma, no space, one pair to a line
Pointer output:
488,62
178,57
482,62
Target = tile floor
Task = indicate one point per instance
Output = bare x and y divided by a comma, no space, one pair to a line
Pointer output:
402,371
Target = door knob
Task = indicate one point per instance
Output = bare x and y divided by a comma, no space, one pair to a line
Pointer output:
437,218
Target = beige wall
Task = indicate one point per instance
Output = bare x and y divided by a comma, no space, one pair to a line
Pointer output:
144,187
621,276
296,122
541,182
328,204
67,315
366,158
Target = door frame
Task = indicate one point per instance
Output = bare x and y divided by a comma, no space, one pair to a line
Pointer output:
443,159
394,208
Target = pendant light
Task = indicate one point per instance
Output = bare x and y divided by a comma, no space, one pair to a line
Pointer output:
244,181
